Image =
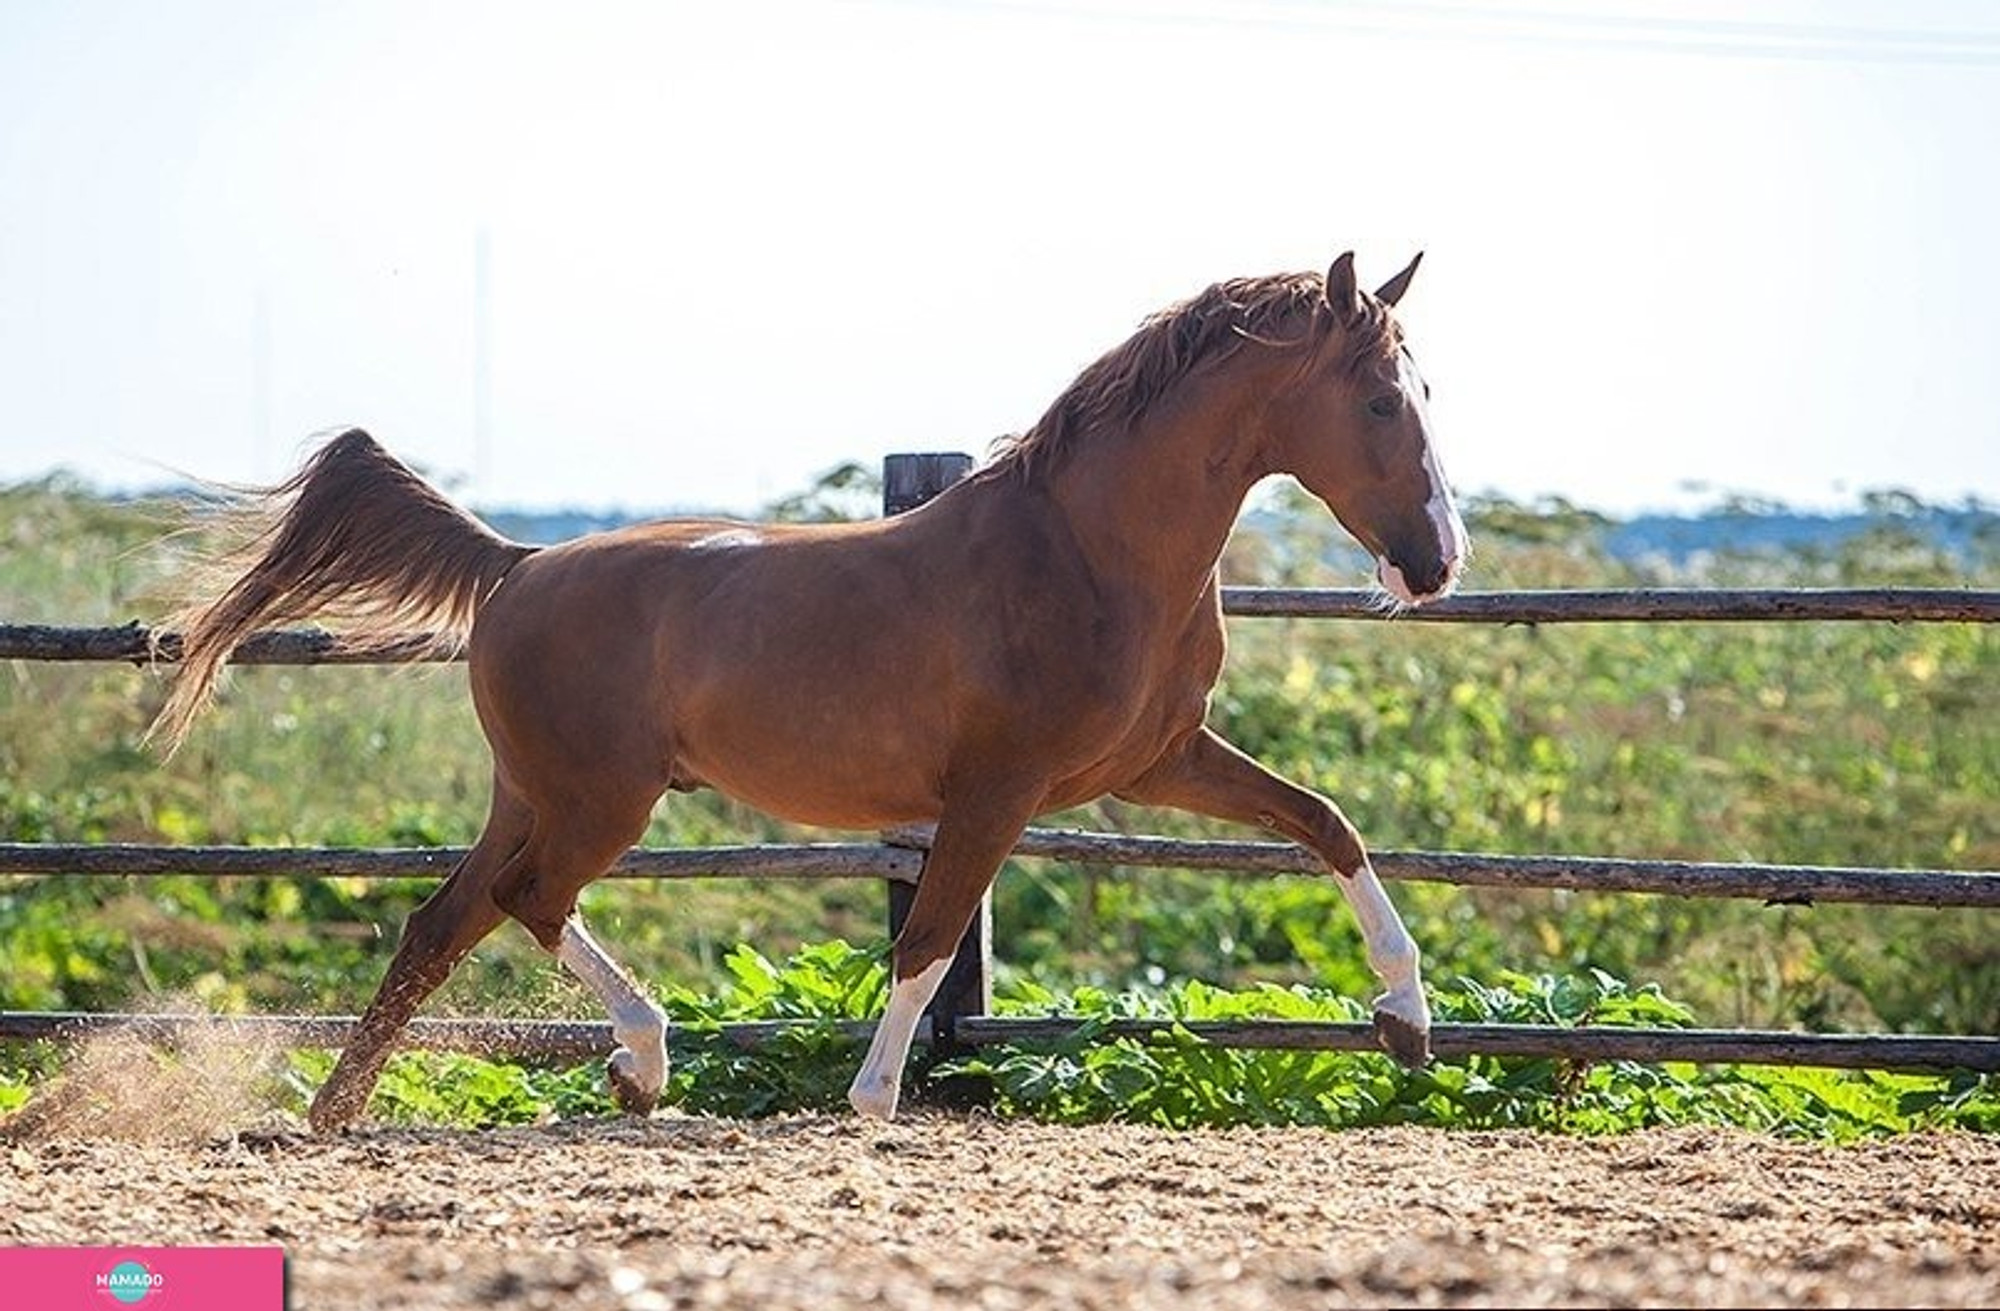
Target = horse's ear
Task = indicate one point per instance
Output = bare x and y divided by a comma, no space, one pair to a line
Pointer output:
1392,290
1342,296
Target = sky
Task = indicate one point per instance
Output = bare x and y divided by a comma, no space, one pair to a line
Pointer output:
648,257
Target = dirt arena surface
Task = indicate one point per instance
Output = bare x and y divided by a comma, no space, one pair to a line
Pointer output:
949,1211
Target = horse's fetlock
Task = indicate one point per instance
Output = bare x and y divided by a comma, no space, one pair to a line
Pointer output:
1397,963
1400,954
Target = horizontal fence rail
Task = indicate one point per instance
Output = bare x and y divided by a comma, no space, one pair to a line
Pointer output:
578,1040
813,860
135,643
1891,604
1783,884
900,858
1859,1051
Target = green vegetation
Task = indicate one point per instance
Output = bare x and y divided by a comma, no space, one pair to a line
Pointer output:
1179,1081
1815,744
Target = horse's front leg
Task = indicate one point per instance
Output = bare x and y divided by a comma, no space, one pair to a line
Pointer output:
1206,775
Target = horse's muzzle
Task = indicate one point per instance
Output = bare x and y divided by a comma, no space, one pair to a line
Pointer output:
1421,583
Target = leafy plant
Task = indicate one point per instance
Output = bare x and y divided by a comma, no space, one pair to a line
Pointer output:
1174,1079
1181,1081
15,1089
806,1064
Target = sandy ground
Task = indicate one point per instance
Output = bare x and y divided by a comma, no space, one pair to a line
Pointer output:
955,1210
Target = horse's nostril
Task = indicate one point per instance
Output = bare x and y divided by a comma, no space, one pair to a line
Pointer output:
1428,583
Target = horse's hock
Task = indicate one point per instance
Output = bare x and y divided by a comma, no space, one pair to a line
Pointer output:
960,1016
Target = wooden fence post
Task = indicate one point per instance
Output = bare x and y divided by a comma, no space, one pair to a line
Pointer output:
967,991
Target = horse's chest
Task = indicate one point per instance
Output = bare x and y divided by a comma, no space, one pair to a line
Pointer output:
1162,696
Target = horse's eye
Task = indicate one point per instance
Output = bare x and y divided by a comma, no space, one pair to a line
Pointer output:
1386,406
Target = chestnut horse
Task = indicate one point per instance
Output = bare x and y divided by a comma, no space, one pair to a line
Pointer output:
1044,633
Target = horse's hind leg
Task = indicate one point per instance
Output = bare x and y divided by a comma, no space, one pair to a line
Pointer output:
437,936
1210,777
973,837
637,1070
569,849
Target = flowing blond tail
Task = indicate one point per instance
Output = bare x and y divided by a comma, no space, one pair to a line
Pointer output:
356,533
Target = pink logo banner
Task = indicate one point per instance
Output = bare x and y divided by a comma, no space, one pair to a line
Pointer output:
151,1278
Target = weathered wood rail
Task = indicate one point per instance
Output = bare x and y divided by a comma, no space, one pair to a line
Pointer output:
137,644
581,1040
816,860
1640,605
900,858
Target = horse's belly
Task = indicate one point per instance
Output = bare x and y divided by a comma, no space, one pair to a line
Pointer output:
823,804
809,768
1116,772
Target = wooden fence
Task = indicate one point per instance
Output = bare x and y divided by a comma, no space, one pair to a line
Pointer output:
960,1015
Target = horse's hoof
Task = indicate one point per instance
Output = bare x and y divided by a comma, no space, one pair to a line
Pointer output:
1410,1045
874,1102
334,1112
633,1097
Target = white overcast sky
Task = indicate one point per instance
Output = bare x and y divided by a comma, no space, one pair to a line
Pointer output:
1753,246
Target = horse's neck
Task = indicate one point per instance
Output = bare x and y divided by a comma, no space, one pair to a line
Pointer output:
1152,505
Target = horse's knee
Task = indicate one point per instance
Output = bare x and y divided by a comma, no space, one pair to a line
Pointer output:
1339,843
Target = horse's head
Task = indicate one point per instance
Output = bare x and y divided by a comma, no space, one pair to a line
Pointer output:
1353,428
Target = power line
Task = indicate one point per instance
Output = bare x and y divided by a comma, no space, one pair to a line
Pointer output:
1622,32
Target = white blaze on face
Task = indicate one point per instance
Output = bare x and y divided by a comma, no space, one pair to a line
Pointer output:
1442,510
